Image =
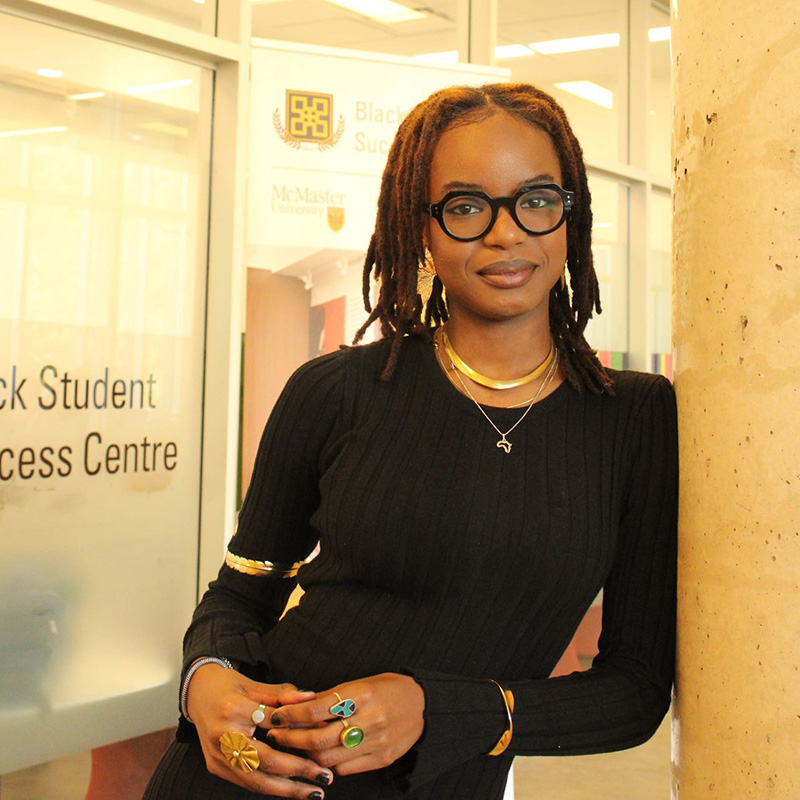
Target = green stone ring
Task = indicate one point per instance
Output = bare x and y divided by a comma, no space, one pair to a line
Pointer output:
351,736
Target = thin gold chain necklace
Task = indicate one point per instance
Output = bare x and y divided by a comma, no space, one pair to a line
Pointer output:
503,442
492,383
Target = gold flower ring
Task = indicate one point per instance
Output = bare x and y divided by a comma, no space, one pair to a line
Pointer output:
240,751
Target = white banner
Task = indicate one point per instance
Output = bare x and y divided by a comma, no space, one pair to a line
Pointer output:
322,122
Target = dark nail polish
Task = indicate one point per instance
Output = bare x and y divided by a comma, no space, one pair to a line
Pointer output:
275,719
323,778
315,796
269,738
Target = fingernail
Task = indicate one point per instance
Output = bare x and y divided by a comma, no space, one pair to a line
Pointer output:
275,719
315,796
269,737
323,778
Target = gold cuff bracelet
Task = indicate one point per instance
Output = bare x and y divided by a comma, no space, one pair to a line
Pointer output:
505,739
262,569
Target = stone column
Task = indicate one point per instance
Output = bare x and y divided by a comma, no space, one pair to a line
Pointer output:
736,138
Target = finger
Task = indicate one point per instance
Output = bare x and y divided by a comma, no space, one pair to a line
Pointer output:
277,774
276,787
286,765
365,763
306,713
334,757
276,695
317,738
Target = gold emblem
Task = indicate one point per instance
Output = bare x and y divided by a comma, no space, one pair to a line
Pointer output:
309,120
335,217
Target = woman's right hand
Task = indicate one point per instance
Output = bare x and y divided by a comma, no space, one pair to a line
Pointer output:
222,700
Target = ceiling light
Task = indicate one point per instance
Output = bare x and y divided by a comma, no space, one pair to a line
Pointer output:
512,51
576,44
50,73
659,34
87,95
589,91
445,57
32,131
381,10
157,87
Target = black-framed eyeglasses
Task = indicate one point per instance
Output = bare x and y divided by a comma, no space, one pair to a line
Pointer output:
469,215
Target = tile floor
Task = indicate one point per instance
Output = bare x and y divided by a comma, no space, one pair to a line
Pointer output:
642,773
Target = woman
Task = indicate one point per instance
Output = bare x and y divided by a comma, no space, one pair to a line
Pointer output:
474,479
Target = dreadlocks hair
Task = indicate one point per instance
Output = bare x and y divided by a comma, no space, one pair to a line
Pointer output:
397,250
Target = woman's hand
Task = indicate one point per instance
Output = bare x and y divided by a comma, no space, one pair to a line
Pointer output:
223,700
388,709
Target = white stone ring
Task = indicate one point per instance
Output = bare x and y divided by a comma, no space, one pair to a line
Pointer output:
258,716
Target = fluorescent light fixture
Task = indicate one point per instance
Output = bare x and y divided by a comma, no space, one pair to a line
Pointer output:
512,51
445,57
32,131
576,44
50,73
87,95
659,34
589,91
380,10
157,87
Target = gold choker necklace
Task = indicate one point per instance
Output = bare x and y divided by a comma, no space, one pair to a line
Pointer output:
491,383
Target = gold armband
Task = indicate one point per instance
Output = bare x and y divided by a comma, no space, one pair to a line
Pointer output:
262,569
505,739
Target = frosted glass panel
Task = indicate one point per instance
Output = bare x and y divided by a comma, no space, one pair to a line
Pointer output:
578,52
608,332
659,284
104,172
659,115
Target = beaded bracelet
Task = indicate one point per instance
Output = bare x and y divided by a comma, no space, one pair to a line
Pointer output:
196,664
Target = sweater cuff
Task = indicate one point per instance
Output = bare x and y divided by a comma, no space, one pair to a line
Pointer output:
464,719
247,648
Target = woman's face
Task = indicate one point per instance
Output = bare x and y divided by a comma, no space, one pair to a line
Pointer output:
508,273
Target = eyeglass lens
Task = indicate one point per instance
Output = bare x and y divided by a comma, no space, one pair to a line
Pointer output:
537,210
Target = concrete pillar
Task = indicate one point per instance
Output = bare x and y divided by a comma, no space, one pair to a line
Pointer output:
736,140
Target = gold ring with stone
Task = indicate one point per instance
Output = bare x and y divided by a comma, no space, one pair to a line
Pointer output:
258,716
344,708
351,736
240,751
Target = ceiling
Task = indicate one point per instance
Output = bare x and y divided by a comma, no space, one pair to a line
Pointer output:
324,23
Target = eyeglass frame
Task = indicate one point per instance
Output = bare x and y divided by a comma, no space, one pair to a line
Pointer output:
436,210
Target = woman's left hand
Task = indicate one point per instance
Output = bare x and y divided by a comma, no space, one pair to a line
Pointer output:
388,709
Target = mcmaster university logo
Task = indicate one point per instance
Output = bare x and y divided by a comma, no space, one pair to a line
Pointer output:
309,121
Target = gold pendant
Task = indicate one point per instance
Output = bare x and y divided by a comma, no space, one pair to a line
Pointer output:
505,444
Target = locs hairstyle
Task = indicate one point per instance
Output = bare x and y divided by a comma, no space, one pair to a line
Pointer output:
397,250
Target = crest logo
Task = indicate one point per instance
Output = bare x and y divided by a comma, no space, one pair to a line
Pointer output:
335,218
309,121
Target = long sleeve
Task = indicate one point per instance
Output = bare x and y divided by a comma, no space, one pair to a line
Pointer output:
274,521
621,700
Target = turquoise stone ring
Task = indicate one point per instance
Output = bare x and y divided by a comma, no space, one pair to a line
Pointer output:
344,708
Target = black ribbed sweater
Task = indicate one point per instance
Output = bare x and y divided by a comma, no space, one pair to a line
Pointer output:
446,558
